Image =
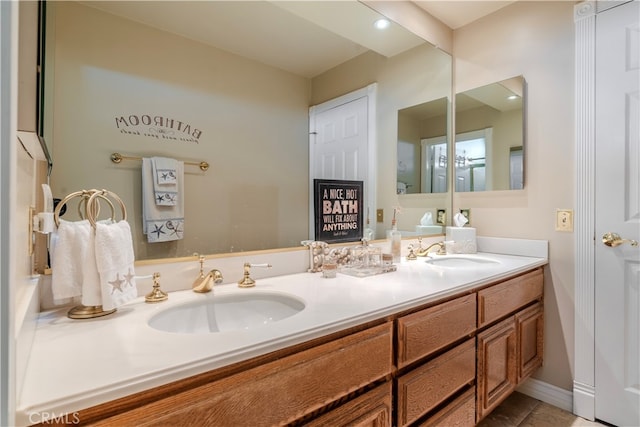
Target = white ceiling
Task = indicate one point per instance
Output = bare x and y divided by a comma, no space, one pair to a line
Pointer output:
302,37
458,13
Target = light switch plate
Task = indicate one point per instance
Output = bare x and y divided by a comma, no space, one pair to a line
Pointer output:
564,220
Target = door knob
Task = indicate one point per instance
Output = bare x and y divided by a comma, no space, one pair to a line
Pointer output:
612,240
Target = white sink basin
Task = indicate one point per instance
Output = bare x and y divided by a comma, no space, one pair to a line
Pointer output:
462,261
230,312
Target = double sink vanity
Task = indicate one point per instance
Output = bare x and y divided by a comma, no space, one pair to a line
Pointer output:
442,340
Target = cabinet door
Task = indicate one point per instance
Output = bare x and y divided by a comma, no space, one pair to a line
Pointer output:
372,409
530,326
496,370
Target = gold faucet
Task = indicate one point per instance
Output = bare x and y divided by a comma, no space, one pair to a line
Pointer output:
247,281
204,283
425,252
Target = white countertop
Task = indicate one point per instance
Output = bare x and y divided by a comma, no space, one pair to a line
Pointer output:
75,364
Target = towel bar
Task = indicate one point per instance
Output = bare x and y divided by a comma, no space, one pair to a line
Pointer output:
118,158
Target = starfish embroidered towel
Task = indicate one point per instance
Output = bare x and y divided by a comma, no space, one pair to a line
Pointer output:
165,181
114,261
161,223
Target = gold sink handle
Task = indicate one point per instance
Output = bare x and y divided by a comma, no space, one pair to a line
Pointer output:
247,281
156,294
613,239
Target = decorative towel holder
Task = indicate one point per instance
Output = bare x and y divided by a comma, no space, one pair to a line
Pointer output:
89,208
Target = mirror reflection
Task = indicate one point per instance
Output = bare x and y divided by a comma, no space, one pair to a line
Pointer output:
489,142
177,79
422,148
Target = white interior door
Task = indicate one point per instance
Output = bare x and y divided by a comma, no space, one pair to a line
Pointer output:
341,144
617,275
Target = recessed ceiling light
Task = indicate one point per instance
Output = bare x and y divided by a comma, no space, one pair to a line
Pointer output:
512,97
381,23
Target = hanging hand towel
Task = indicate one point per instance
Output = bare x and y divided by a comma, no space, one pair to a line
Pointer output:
69,246
165,181
91,287
161,223
114,261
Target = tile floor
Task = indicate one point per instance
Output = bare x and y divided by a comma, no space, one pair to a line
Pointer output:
519,410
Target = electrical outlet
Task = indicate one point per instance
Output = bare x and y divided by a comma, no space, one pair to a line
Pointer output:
379,215
564,220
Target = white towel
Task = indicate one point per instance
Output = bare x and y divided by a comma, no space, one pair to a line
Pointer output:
161,223
165,181
70,243
91,287
114,261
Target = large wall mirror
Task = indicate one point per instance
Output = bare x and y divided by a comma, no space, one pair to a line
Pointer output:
230,83
489,142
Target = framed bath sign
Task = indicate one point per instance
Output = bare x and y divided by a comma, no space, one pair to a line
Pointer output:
338,210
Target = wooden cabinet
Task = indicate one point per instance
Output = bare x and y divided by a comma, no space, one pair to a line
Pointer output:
497,301
496,366
372,409
447,363
278,392
427,331
510,350
529,327
424,388
461,412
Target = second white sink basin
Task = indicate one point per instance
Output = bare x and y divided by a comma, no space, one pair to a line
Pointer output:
227,312
462,261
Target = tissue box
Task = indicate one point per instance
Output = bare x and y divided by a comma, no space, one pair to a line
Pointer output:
461,240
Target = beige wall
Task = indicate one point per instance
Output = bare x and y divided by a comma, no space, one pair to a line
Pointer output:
536,40
253,121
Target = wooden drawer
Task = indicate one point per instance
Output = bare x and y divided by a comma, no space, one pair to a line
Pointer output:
530,326
425,332
459,413
277,392
499,300
422,389
372,409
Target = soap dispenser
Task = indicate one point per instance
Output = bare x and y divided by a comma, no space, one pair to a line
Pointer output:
395,239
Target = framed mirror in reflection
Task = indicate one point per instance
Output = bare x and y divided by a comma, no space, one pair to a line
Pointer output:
129,77
489,141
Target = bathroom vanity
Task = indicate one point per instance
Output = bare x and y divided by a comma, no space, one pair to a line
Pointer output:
429,343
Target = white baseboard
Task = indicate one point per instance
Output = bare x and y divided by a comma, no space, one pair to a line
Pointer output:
547,393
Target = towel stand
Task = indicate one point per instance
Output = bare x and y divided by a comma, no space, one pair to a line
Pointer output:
118,158
91,212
